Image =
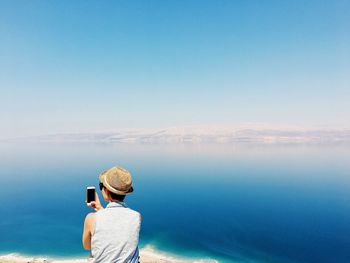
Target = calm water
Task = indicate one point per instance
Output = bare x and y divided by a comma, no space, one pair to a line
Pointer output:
234,203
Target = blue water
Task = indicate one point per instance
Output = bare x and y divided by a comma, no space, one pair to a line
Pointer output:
233,203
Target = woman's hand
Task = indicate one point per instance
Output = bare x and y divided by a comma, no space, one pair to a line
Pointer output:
96,205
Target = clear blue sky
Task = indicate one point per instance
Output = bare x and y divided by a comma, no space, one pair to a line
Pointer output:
71,66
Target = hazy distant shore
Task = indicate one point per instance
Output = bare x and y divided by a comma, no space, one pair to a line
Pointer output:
147,255
248,133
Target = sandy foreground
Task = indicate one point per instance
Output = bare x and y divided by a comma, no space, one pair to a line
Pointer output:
147,255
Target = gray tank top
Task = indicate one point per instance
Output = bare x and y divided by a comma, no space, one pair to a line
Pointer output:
116,234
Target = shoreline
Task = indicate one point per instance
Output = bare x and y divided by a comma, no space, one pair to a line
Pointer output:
148,254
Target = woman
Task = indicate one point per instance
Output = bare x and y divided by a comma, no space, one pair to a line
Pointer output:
112,233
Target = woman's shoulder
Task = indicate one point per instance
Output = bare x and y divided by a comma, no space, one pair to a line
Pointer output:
134,213
89,220
90,216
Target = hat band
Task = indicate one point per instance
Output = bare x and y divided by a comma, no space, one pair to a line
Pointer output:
114,190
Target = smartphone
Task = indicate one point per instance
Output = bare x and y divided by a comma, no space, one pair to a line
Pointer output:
90,194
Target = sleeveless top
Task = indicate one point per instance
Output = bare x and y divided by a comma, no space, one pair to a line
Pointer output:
116,234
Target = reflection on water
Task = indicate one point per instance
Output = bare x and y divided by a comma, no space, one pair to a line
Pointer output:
270,203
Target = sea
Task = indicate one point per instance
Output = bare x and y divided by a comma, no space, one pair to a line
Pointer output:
235,202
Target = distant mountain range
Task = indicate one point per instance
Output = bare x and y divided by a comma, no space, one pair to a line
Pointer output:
205,134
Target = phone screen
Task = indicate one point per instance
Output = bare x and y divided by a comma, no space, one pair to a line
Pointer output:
90,194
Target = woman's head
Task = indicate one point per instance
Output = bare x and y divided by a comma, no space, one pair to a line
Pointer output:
110,196
115,183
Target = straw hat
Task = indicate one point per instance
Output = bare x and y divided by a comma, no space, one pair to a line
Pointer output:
117,180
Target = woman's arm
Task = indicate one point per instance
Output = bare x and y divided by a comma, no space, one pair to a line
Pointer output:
88,230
